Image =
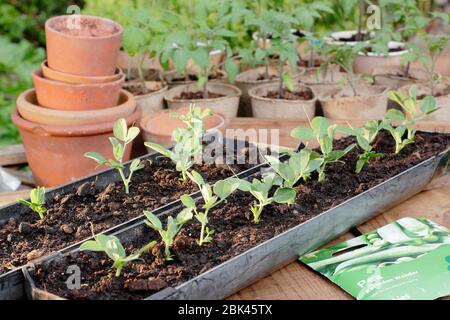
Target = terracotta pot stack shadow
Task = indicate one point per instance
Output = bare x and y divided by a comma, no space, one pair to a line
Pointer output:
76,99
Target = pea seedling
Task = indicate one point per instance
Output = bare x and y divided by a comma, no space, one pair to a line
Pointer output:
188,142
173,227
299,166
211,197
408,118
365,137
113,248
122,137
324,133
260,190
37,201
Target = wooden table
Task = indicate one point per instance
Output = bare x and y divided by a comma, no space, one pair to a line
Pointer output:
295,281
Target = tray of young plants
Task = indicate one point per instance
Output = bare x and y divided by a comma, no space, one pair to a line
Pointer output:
65,216
242,228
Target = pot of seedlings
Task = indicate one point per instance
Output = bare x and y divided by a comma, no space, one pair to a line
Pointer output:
435,44
101,199
352,37
144,38
298,214
284,99
261,55
306,16
356,100
408,22
223,98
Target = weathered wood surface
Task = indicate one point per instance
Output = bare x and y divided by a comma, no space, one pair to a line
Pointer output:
296,281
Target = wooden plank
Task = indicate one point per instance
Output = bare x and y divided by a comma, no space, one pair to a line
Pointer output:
11,197
295,282
25,177
12,155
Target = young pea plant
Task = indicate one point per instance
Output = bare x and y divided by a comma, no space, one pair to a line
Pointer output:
411,114
173,227
260,190
188,142
365,137
299,166
122,137
113,248
37,201
212,196
324,133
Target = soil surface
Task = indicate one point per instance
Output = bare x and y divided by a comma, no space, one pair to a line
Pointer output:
137,89
69,216
305,63
288,95
262,77
88,28
193,77
396,49
234,231
438,93
355,37
198,95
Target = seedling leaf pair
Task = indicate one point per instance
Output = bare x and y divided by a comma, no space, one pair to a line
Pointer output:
37,201
122,137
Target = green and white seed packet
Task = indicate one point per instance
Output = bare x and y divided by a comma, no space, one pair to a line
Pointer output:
408,259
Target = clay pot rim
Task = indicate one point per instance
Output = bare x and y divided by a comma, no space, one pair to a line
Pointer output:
40,75
405,88
45,68
24,98
253,95
391,44
70,131
50,28
146,119
299,72
164,88
385,90
237,93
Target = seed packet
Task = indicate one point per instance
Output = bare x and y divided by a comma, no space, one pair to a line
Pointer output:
408,259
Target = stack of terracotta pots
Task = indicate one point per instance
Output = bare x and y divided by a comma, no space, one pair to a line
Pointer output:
76,99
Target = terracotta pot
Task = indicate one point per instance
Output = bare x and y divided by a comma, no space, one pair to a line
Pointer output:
158,127
442,94
367,62
279,108
248,80
171,76
51,74
392,76
56,153
340,104
226,105
151,102
68,96
29,110
91,51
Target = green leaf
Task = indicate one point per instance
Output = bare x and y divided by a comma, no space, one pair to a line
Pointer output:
153,221
136,165
428,105
159,148
133,132
180,58
223,189
244,185
288,81
303,133
284,195
95,156
395,115
196,177
117,149
184,216
187,201
120,129
91,245
320,126
231,68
